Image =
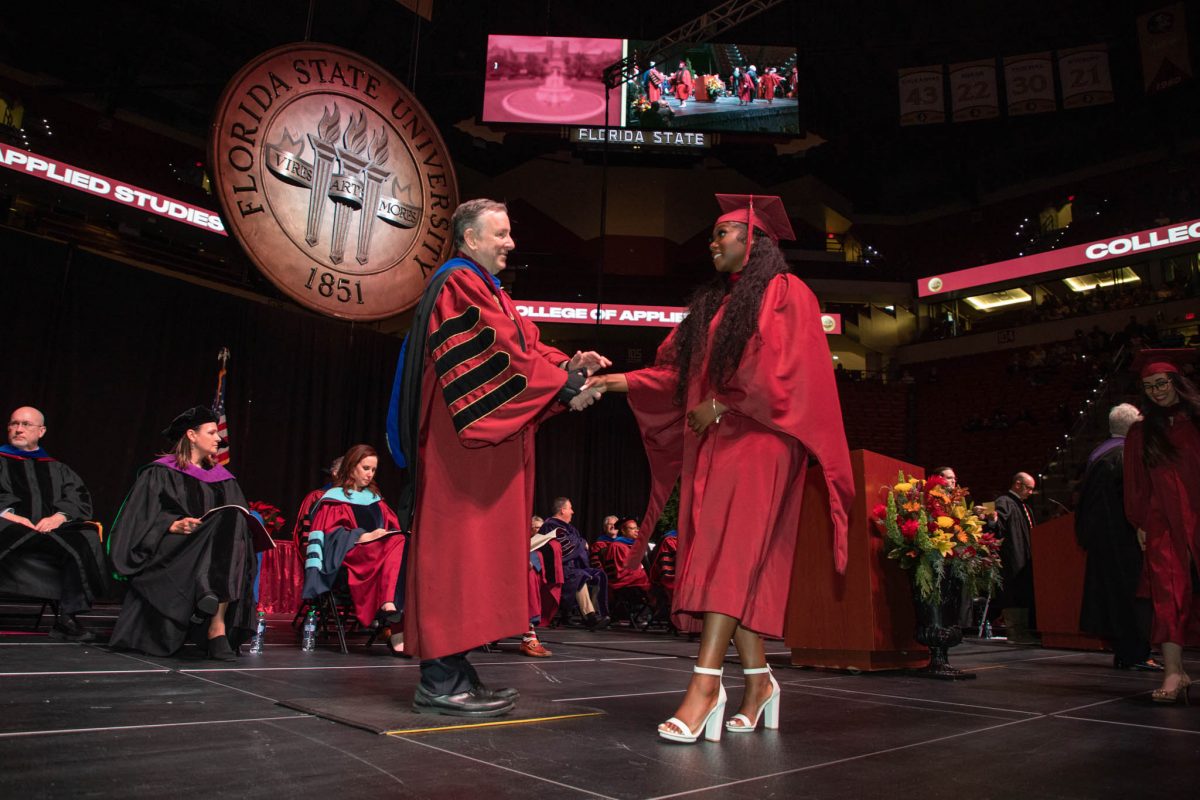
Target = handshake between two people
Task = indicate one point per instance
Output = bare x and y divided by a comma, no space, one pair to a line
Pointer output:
590,362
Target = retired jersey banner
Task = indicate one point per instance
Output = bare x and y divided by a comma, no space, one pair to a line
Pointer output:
973,91
1162,35
922,98
1029,83
1083,73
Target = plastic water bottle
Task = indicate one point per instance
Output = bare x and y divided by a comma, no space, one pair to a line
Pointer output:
260,633
309,642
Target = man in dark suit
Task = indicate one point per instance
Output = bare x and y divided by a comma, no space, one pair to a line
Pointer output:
1013,522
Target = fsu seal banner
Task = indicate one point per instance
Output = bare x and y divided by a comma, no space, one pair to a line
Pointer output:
334,179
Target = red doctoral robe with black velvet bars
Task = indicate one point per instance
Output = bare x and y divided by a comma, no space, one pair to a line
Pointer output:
743,479
487,382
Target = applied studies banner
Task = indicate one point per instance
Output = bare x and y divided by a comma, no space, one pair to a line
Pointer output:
109,188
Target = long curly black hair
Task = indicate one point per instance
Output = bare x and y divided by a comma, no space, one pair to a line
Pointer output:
739,322
1156,442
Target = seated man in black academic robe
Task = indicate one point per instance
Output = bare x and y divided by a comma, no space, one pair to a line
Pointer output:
49,548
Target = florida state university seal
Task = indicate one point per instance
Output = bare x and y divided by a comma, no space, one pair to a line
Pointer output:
334,179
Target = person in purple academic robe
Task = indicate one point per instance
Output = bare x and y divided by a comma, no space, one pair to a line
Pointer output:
190,572
588,585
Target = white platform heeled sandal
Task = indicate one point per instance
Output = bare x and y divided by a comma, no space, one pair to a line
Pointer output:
768,710
710,726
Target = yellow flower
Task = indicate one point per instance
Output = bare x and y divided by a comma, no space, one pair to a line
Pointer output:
945,522
943,546
903,487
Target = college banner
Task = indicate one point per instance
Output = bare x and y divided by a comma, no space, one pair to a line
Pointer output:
1083,73
1029,83
1162,35
973,91
618,314
922,97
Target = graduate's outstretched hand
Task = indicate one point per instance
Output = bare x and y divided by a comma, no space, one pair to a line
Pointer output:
587,396
591,361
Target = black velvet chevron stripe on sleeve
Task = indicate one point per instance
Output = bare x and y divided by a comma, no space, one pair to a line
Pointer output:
475,346
475,378
453,327
489,402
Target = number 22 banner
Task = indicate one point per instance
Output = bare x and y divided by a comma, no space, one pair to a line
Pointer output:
973,90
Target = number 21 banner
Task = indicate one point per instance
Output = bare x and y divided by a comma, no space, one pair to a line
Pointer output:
973,90
1029,81
1083,73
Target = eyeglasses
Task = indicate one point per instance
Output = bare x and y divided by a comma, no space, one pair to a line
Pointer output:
1157,386
21,423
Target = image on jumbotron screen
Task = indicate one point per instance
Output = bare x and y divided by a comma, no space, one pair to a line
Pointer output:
716,87
551,80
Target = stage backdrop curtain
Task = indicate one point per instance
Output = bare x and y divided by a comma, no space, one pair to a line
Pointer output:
111,352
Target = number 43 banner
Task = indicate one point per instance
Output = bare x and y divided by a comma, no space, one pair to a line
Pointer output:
973,90
922,99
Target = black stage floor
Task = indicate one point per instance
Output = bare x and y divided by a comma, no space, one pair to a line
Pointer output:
80,721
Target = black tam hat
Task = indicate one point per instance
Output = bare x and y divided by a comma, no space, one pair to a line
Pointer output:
192,418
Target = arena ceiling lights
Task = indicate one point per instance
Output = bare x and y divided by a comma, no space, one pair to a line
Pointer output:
1102,280
994,300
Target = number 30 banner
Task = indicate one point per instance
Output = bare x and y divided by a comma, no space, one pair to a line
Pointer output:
1083,73
973,90
922,98
1029,80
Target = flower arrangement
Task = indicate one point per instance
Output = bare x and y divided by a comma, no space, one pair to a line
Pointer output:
714,86
272,518
933,530
640,104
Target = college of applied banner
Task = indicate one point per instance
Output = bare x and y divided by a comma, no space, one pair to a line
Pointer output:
1162,35
638,316
1083,73
127,194
922,97
973,91
1054,260
1029,81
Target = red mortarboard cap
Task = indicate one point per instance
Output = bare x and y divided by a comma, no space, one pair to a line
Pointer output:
763,211
1148,362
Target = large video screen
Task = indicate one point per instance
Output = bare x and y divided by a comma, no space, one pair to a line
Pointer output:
716,87
553,80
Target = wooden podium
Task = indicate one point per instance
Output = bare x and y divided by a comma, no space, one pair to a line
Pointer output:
864,619
1058,569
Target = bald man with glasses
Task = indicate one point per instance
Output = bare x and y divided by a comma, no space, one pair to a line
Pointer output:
1013,523
49,547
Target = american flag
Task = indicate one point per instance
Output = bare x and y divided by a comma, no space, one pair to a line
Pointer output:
218,408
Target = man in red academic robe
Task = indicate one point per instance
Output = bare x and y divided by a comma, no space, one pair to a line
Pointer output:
682,84
475,382
769,83
654,83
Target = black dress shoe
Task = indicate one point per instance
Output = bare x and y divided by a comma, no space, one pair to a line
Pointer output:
1149,665
206,606
219,649
503,693
463,704
67,629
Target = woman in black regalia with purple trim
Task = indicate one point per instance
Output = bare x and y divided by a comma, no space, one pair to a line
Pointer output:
188,574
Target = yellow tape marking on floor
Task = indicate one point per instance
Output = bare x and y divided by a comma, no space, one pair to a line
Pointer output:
491,724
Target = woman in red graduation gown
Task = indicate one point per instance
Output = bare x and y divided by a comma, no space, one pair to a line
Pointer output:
741,396
1162,498
353,528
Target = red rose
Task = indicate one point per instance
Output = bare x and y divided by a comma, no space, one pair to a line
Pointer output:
968,552
909,528
879,511
935,480
933,528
